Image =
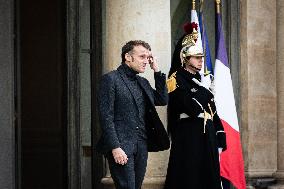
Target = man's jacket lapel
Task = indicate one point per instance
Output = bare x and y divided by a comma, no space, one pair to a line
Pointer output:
147,90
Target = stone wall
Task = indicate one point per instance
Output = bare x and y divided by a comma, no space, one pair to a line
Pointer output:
262,91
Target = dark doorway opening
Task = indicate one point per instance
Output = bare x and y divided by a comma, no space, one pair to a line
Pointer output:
42,93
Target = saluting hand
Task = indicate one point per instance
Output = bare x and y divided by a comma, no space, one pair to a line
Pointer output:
153,62
119,156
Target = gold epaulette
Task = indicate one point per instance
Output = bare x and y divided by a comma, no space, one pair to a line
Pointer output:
172,83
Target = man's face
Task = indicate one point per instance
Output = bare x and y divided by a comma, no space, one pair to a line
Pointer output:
137,59
195,61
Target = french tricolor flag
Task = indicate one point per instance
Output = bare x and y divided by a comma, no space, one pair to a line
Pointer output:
231,160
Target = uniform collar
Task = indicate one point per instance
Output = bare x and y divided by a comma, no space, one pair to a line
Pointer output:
189,75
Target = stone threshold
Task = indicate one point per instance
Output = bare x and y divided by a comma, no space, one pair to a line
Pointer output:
148,183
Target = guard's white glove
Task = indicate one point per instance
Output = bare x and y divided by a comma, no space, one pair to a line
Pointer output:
220,151
206,80
212,87
202,85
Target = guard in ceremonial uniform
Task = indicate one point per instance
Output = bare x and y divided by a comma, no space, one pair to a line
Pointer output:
196,130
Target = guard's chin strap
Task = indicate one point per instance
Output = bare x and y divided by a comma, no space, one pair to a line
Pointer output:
197,69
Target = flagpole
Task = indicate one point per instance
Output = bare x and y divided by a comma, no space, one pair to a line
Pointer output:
218,3
203,41
193,4
201,5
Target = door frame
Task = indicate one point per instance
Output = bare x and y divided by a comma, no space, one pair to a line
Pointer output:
73,94
73,90
96,72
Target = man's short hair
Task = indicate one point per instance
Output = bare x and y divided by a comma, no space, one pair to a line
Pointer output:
128,47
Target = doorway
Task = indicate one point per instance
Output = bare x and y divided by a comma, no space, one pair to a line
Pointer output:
42,94
59,54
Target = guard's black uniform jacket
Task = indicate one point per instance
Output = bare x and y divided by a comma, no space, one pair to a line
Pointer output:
196,133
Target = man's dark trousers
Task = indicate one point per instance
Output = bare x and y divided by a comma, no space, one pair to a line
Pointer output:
130,175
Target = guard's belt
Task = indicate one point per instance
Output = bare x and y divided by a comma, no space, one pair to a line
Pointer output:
201,115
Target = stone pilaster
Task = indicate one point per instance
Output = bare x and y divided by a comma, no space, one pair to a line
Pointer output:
280,94
148,21
258,86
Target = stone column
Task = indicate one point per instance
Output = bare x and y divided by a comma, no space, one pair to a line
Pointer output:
258,87
280,95
149,21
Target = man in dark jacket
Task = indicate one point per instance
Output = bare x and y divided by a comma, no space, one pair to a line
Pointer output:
128,118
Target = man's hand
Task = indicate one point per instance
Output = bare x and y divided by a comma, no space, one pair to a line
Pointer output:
119,156
153,63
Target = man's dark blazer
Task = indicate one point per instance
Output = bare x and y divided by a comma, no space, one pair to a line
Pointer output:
118,112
